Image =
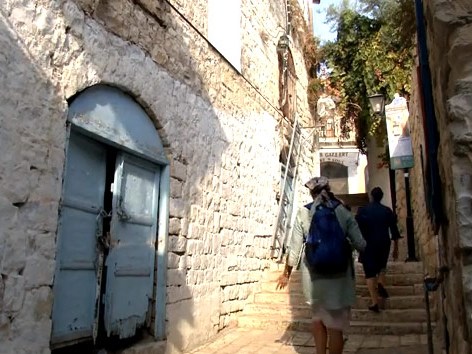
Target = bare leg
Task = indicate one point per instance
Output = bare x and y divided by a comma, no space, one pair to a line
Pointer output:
382,292
336,341
372,286
321,337
381,278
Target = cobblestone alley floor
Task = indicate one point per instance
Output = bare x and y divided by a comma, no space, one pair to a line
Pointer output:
245,341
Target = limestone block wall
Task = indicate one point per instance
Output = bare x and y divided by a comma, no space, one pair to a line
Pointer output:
449,31
427,241
219,128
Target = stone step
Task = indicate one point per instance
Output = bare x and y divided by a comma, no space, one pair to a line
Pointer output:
397,290
391,279
282,311
354,200
387,328
396,279
274,323
401,302
276,269
295,288
397,268
280,298
358,313
396,302
389,315
357,327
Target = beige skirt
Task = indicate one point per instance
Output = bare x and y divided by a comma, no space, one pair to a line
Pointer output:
333,319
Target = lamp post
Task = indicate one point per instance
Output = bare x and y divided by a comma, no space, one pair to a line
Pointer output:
410,229
283,44
377,103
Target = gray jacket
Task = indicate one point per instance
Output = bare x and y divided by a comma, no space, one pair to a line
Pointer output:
330,293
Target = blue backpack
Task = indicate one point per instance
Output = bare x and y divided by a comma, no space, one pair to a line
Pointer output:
327,250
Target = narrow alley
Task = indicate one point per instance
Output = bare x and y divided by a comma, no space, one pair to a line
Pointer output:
279,321
154,169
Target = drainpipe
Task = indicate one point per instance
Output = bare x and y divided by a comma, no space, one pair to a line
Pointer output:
429,117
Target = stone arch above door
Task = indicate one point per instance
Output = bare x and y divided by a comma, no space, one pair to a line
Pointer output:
113,116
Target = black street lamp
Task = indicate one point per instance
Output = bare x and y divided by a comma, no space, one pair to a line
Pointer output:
410,227
377,103
283,44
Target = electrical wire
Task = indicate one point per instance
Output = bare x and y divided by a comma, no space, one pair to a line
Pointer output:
182,16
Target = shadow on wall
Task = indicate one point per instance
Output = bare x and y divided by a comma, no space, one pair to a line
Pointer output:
32,142
160,71
40,70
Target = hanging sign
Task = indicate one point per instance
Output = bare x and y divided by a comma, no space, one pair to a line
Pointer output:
346,158
398,130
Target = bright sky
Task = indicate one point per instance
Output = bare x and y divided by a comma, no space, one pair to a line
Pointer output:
320,29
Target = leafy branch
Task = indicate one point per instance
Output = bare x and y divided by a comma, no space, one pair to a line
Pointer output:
372,54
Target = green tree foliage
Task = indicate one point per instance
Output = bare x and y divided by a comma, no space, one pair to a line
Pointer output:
313,57
311,54
372,54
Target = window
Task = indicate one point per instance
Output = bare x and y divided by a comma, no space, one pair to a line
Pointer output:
224,29
330,128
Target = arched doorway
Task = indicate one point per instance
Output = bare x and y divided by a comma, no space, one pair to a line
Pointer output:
338,176
115,193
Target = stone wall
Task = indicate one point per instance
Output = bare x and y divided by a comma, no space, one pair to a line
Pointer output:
449,32
219,128
426,240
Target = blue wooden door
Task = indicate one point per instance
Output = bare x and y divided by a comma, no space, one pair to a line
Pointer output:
130,263
76,280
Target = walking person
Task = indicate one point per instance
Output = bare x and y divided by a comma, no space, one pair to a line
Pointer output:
379,227
329,288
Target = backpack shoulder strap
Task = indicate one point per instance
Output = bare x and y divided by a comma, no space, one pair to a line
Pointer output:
335,203
343,225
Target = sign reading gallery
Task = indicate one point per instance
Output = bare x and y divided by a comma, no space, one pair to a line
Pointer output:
346,158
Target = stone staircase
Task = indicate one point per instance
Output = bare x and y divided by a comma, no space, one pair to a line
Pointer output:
404,312
355,201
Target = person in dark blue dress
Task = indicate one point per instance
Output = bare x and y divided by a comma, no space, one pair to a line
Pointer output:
378,225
